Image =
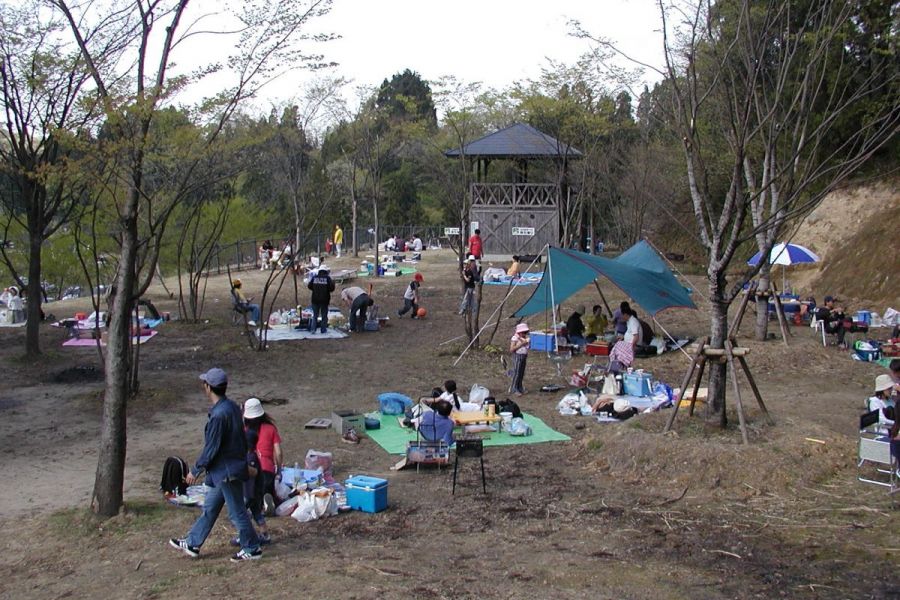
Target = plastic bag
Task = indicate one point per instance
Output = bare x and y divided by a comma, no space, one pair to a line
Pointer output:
320,460
519,427
570,403
610,386
392,403
282,490
287,507
478,394
313,505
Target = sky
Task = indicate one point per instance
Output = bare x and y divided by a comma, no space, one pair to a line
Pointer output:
496,42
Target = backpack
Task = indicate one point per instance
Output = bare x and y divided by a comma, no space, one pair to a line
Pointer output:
174,472
511,407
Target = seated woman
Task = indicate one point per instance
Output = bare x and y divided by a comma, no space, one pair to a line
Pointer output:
513,270
455,401
244,304
882,401
575,327
596,324
436,425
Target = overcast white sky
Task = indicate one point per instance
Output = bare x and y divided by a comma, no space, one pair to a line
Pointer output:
496,42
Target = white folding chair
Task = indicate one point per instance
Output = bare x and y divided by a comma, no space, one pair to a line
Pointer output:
876,464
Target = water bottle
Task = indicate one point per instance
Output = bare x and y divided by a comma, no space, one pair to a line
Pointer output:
296,473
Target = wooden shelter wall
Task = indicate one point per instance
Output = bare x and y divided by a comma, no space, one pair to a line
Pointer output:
497,223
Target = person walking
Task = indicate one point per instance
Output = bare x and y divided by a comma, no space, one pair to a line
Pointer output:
475,245
224,460
321,285
338,239
411,297
518,346
359,302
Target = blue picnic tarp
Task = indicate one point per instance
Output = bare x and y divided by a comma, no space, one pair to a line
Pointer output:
639,272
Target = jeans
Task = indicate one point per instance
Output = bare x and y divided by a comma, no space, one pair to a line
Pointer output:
320,317
407,305
358,311
577,340
468,301
230,493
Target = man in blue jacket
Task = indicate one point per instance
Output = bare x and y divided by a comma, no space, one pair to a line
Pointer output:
224,460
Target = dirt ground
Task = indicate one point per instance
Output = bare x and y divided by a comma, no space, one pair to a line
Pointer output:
621,511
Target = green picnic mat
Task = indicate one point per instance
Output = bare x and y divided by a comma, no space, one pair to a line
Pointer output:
393,438
886,361
403,271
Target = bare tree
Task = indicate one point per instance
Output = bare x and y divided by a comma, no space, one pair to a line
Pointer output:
267,44
40,87
746,82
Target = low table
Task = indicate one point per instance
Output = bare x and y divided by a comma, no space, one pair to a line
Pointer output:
475,416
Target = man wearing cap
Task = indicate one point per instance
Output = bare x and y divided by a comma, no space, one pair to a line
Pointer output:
224,460
411,297
359,302
321,285
518,346
470,277
833,318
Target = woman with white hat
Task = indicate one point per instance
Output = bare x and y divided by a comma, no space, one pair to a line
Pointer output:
268,447
518,346
882,401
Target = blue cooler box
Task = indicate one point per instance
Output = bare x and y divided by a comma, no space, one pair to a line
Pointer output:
368,494
543,341
637,384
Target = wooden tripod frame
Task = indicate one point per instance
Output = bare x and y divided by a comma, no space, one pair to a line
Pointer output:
729,354
779,311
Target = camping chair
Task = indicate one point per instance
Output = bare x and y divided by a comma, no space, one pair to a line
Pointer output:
469,448
874,455
239,309
427,452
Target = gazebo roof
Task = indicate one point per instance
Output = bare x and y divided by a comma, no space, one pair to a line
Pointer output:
516,141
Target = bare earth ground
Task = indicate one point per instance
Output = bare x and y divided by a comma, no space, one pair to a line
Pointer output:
621,511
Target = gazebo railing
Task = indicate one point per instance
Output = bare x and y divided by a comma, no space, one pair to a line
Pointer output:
515,194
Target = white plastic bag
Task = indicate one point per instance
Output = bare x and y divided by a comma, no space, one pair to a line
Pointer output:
891,317
313,505
282,490
478,394
570,404
287,507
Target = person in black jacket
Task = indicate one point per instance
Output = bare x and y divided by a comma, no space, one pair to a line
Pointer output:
321,285
833,316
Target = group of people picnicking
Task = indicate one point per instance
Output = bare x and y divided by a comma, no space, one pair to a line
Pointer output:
395,243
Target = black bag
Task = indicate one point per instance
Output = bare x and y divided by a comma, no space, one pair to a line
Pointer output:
509,406
174,472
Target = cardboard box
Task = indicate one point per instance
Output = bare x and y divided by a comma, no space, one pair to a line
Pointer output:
342,420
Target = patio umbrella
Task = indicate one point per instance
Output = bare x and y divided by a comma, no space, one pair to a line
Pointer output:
786,254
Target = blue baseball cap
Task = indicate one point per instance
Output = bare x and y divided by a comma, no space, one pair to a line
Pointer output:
215,377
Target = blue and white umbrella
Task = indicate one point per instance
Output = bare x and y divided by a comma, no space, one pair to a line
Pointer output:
786,254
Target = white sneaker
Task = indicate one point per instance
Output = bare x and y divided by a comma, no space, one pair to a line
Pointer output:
251,323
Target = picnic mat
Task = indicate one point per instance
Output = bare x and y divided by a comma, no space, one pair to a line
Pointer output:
279,335
393,438
86,342
403,271
525,279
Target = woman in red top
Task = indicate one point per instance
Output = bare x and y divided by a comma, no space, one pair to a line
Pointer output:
268,445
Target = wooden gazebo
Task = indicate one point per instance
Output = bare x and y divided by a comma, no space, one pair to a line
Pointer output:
517,217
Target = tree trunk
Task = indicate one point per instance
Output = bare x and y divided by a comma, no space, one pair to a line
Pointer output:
718,331
762,303
110,475
35,292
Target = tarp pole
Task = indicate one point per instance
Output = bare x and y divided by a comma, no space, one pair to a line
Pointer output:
499,306
552,303
674,341
602,297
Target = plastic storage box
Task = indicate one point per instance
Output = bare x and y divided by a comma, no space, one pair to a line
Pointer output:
368,494
637,384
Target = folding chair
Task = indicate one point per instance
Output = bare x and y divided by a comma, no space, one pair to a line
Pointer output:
239,310
874,455
469,448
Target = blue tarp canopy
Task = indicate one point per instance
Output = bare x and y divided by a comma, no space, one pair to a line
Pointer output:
639,272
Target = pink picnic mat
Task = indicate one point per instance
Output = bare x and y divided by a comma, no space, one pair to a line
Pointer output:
89,342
